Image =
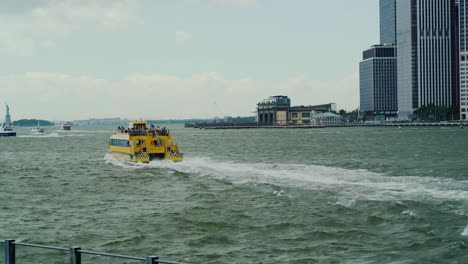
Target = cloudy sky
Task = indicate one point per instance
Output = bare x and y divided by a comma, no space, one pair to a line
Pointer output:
159,59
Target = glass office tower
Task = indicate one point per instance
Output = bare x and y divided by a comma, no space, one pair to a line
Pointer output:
463,27
425,54
387,21
378,83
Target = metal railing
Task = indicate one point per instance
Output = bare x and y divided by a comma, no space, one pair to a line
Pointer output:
74,253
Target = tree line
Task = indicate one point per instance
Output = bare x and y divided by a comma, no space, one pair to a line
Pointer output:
436,113
32,122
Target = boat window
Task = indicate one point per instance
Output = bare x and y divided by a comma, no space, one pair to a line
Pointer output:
119,142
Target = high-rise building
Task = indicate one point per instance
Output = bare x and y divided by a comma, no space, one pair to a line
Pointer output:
378,69
463,28
425,54
388,21
378,82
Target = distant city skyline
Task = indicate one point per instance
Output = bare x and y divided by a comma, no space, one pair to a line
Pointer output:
69,60
429,38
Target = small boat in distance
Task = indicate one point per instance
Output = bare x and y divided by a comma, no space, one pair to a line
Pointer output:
7,131
140,143
66,127
37,131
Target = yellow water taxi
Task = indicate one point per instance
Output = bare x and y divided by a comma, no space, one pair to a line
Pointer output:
140,143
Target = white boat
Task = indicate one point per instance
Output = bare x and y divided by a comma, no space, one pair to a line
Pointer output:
37,131
7,131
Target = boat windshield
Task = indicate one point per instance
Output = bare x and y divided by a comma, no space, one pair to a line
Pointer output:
139,127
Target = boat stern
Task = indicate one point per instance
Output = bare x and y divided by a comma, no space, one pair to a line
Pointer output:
177,156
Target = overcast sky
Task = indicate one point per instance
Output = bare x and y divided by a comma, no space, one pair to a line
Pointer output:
159,59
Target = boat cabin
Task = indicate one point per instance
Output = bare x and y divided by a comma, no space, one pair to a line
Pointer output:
139,125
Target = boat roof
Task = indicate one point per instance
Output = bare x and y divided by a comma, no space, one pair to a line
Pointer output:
137,123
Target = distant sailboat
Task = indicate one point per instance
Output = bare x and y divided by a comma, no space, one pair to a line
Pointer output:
37,131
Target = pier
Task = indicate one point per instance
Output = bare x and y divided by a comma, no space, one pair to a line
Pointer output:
75,253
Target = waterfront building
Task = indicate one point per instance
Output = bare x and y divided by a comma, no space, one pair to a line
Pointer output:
274,110
378,82
425,41
277,110
327,119
300,115
463,58
388,21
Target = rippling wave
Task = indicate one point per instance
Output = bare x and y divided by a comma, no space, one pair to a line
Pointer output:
249,196
358,184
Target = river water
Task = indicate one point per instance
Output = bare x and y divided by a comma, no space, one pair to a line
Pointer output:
334,195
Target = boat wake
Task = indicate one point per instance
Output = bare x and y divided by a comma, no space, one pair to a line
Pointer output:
83,131
51,135
353,184
465,232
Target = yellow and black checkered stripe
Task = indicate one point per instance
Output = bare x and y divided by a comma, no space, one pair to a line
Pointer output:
176,155
141,156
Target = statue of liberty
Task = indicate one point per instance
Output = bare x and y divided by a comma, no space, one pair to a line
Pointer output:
7,116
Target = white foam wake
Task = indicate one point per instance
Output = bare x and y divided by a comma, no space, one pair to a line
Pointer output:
51,135
358,184
465,232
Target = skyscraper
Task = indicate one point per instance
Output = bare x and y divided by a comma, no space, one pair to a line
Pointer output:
378,69
463,27
387,21
378,82
425,54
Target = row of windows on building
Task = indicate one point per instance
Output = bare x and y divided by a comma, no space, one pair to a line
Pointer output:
303,115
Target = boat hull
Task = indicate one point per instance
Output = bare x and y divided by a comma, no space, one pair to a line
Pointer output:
145,158
8,134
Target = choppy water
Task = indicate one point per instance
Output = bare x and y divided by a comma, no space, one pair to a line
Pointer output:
336,195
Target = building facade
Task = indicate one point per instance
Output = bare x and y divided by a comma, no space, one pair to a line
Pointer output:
300,115
378,83
277,110
425,63
273,110
463,56
387,21
327,119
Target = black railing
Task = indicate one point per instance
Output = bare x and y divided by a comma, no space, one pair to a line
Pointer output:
74,253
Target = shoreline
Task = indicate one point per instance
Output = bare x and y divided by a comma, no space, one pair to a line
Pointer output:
399,125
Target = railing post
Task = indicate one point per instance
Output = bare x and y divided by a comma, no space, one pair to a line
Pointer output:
152,260
75,255
10,254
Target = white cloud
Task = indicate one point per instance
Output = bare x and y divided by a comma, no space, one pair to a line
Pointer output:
60,96
181,38
20,31
307,90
